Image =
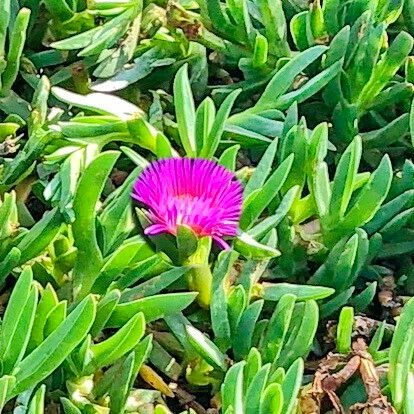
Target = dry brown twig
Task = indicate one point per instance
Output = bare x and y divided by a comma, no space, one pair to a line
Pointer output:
326,383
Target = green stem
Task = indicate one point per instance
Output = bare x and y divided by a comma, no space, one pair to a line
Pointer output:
199,277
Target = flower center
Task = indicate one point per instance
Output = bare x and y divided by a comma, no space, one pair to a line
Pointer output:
191,210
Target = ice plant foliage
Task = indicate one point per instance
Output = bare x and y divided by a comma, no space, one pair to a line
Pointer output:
198,193
274,82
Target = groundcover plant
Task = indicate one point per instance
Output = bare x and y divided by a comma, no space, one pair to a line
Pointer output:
206,206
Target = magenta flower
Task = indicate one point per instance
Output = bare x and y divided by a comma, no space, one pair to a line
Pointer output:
197,193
